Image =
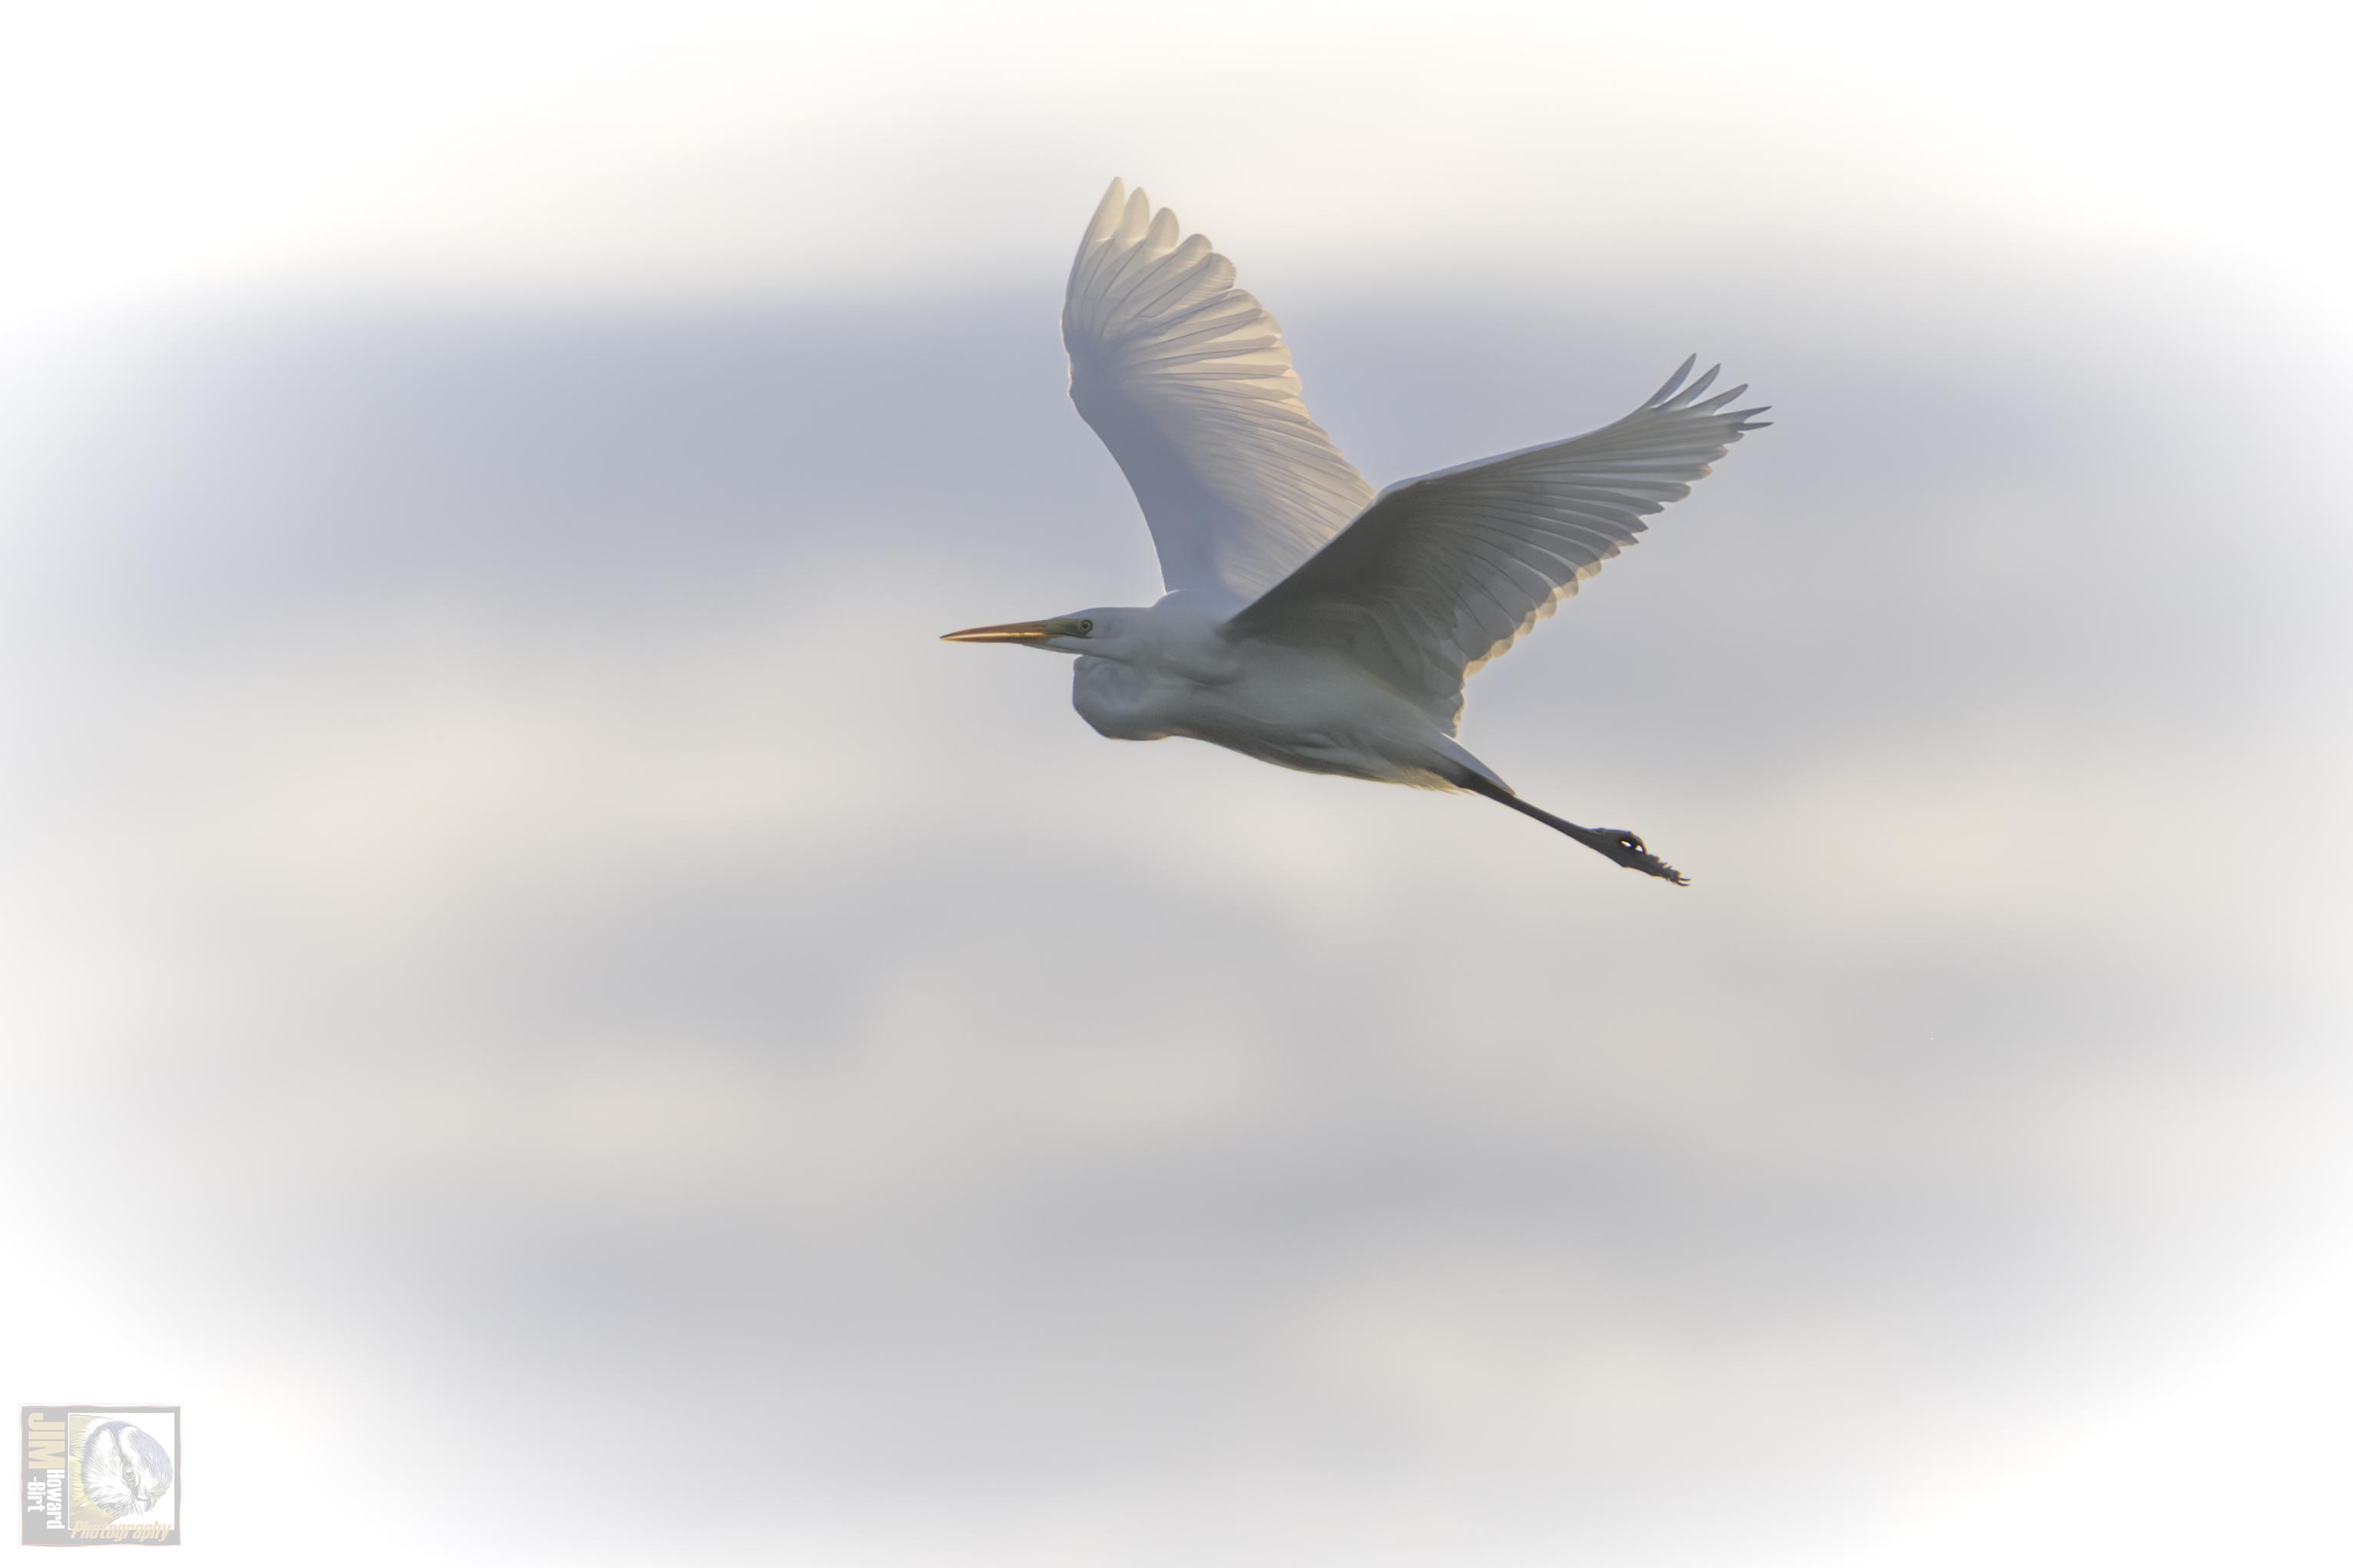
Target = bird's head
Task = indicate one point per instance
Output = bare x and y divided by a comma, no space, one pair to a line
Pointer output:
1104,633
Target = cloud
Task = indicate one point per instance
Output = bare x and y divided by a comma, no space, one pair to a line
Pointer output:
498,839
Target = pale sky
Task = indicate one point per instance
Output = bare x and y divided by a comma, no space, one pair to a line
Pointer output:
515,919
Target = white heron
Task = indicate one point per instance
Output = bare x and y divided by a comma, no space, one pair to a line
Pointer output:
1308,622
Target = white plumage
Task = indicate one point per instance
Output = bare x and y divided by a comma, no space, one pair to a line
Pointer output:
1188,381
1308,622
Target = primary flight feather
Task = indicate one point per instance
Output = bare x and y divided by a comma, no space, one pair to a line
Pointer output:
1309,622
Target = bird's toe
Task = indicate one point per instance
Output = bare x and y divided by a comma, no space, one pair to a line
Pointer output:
1661,869
1635,855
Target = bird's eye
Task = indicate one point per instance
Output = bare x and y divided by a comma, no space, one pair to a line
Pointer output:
1086,628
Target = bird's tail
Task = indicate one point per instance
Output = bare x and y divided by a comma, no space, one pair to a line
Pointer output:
1466,768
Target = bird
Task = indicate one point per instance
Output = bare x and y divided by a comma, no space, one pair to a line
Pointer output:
124,1471
1306,621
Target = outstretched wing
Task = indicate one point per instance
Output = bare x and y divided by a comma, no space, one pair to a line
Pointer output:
1186,380
1443,573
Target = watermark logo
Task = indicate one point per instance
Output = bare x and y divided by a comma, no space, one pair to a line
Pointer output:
101,1475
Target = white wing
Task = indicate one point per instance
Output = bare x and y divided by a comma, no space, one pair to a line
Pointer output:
1443,573
1186,380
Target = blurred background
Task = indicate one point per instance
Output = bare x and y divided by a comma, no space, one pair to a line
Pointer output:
561,1025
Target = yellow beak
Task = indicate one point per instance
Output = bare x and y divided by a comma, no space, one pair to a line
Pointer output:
1012,631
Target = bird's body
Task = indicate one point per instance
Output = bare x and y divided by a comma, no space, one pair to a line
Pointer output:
1310,623
1182,667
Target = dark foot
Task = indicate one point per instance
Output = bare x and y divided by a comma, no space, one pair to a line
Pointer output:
1626,848
1629,850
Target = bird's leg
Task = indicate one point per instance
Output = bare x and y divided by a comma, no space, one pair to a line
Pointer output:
1617,843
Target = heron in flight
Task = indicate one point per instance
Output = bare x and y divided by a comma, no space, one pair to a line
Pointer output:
1309,622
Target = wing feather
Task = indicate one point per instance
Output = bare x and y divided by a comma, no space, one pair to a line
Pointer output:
1187,379
1443,573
